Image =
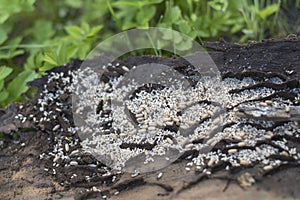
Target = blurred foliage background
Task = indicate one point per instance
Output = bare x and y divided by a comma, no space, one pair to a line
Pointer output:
36,36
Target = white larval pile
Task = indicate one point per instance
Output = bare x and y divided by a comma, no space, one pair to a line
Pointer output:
158,125
200,113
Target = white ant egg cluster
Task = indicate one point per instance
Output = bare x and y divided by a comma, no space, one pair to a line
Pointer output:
159,108
165,119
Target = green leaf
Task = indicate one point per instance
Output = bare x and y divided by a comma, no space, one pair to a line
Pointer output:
72,52
3,95
184,27
237,27
145,15
12,51
94,31
177,38
74,31
85,27
39,58
114,16
45,67
204,34
172,14
83,50
30,62
126,3
3,17
1,84
74,3
184,45
17,53
34,61
128,25
219,5
3,36
248,32
269,10
137,3
8,8
167,35
62,54
51,57
4,72
9,55
18,85
42,31
27,5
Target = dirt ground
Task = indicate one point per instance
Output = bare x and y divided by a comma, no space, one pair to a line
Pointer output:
25,175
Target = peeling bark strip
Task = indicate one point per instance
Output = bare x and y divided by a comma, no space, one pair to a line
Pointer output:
273,57
277,61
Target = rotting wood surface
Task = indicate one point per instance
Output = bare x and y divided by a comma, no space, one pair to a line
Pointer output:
23,176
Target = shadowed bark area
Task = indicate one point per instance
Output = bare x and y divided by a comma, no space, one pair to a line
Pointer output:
23,175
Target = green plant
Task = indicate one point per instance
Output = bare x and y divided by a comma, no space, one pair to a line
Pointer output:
36,36
133,13
200,19
256,18
4,72
77,43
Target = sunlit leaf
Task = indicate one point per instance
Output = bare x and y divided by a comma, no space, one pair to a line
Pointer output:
85,27
3,17
172,14
74,31
184,45
94,31
3,36
74,3
51,57
42,31
4,72
219,5
145,15
3,95
18,85
269,10
184,27
1,84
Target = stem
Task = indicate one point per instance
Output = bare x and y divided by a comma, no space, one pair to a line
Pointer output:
112,12
28,46
152,44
